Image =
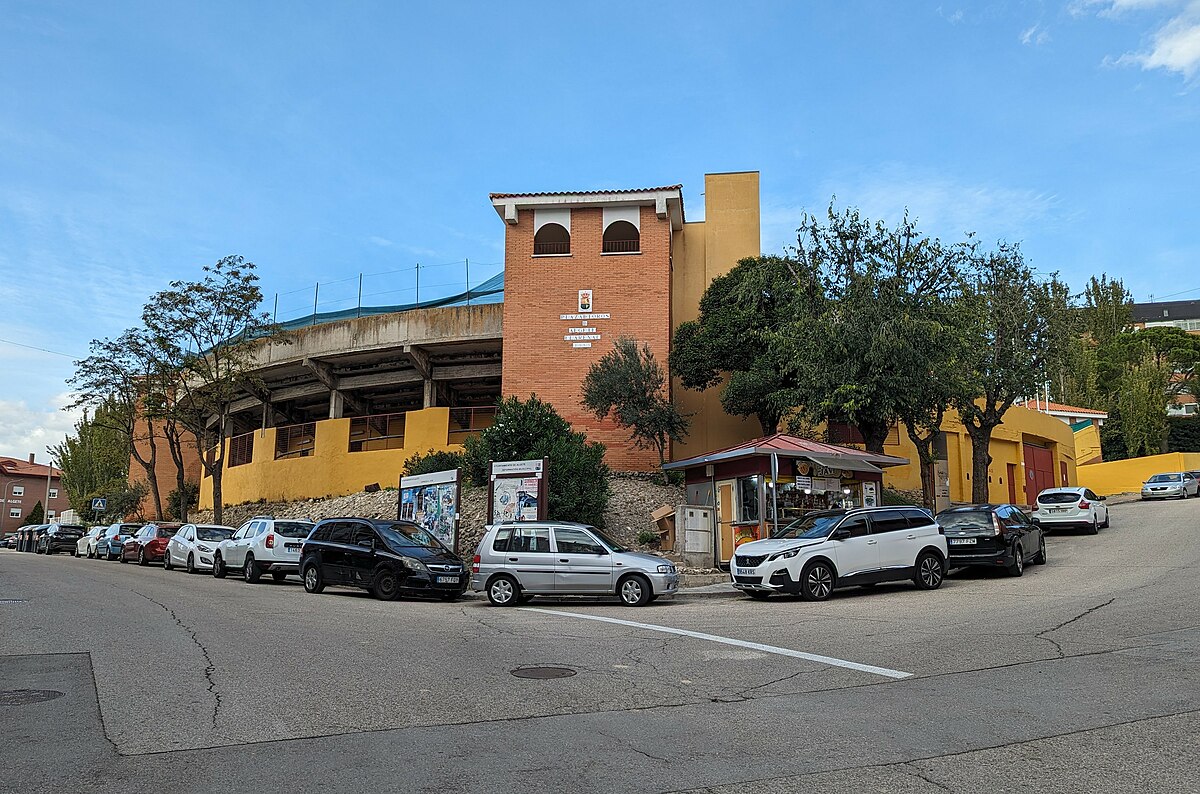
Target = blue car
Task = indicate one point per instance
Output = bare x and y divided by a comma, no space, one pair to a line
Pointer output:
109,546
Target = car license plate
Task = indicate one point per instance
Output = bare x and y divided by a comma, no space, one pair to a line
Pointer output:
447,580
961,541
745,571
293,546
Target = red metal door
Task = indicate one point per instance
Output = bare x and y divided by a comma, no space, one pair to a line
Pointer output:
1039,471
1012,483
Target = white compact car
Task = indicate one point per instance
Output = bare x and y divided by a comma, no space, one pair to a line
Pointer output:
262,545
825,550
86,547
193,546
1071,507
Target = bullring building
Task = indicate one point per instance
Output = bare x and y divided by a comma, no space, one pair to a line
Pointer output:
350,398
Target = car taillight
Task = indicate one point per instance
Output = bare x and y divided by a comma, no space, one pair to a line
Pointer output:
1084,504
997,525
475,564
271,540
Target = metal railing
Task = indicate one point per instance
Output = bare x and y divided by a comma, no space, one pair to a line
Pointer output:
381,431
552,247
465,422
622,246
295,441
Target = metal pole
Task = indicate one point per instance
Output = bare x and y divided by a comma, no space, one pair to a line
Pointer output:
316,292
775,492
275,314
467,266
418,283
358,312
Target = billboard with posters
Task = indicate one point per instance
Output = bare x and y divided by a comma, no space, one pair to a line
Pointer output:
431,500
517,491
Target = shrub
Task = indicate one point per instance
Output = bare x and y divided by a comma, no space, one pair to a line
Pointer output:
648,537
531,429
432,461
190,498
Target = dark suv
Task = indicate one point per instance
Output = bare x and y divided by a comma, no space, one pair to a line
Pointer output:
60,537
998,535
386,557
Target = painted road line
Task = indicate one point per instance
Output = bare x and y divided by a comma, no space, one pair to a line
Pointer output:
757,646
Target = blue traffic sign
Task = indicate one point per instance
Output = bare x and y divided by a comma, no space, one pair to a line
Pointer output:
99,505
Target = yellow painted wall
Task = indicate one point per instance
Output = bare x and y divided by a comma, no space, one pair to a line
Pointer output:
1127,476
1020,425
1087,445
700,252
332,470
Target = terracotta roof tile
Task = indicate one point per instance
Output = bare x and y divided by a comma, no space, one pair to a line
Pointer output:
23,468
584,192
1064,408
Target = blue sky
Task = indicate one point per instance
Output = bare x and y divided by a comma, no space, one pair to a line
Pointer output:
139,141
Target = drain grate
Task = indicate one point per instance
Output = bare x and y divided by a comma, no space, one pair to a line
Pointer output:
22,697
543,673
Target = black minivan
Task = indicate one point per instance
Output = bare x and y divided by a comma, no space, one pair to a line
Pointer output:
386,557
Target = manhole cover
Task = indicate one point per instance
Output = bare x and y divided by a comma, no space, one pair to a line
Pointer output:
21,697
543,673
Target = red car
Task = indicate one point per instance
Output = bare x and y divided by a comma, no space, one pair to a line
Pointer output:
149,543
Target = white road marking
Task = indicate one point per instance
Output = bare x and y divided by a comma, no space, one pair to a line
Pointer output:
757,646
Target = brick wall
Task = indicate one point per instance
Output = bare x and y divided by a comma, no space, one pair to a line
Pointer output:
635,289
164,467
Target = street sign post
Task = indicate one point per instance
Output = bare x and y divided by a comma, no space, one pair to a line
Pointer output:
99,505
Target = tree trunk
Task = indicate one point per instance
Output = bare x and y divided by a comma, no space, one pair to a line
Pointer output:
926,460
769,424
874,434
175,445
150,466
981,460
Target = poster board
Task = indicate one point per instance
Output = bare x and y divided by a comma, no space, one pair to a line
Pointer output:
432,500
517,490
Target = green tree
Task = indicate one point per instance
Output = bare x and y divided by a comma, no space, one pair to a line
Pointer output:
203,334
532,429
628,384
1107,309
734,339
37,515
1016,325
183,500
432,461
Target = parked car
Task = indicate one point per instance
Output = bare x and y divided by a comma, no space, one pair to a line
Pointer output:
10,541
829,549
194,544
386,557
86,547
516,561
992,536
111,543
60,537
1071,507
148,543
262,545
1173,485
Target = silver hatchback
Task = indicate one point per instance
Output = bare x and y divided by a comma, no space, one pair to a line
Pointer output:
518,560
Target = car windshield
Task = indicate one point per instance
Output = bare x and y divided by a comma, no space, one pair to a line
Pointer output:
129,529
213,533
810,527
1166,478
607,541
965,519
1058,497
293,529
408,535
167,532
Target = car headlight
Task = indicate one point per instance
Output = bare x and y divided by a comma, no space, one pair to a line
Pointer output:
415,565
784,555
666,569
204,548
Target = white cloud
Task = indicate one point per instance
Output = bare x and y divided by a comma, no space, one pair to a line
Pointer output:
1036,35
24,429
1174,45
953,17
382,242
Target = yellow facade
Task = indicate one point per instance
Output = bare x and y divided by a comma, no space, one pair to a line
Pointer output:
1087,445
1127,476
1021,426
332,469
700,252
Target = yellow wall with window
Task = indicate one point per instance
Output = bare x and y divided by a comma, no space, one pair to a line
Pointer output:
331,469
1127,476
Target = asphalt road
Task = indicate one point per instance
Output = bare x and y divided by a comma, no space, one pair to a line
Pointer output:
1080,676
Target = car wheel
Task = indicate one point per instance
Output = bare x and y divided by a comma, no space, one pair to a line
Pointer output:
313,582
503,591
191,563
816,581
1040,557
250,570
121,557
279,576
1018,566
758,595
1107,520
142,556
90,553
1094,528
74,552
931,571
218,566
635,591
167,559
387,584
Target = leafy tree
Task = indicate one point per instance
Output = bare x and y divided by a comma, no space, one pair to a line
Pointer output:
183,500
1107,309
37,515
628,384
531,429
733,340
122,499
432,461
1141,403
203,334
1016,325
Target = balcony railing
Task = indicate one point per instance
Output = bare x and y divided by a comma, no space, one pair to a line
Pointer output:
621,246
552,247
295,441
382,431
465,422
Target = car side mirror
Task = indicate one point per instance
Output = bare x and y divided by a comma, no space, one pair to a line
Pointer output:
367,544
841,534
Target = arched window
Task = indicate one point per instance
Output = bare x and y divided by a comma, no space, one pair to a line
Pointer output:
552,238
621,237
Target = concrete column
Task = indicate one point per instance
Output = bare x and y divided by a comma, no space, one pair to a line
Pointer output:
337,405
430,394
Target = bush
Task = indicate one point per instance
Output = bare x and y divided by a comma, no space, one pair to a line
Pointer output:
1183,434
432,461
648,537
891,498
191,497
531,429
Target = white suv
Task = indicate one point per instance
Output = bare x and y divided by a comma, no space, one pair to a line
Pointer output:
829,549
262,545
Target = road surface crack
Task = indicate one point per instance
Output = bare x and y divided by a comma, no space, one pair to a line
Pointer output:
916,771
209,667
637,750
1042,635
